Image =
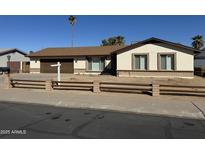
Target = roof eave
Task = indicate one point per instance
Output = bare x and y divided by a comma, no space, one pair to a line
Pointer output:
11,51
66,56
159,40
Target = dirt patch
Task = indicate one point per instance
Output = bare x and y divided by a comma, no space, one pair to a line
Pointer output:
196,80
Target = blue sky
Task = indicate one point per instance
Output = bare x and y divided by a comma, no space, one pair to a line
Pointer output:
37,32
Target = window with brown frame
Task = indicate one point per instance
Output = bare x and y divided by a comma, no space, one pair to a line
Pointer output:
167,62
140,62
96,63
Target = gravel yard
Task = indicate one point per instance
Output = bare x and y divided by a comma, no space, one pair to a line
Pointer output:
195,81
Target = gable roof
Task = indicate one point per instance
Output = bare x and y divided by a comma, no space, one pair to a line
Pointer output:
76,51
4,51
153,40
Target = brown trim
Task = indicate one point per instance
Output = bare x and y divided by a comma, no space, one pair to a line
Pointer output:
154,71
140,54
159,60
65,57
94,71
158,42
53,57
167,74
79,69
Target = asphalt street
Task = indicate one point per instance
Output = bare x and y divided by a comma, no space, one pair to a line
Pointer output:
35,121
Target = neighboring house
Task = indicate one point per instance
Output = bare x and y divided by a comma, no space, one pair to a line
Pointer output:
199,60
15,59
149,58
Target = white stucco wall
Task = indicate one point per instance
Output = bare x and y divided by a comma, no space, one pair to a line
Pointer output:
184,61
80,66
16,56
34,64
79,63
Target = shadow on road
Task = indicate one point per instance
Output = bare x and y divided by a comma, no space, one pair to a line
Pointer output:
18,120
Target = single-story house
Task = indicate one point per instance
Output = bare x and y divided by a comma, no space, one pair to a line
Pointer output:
152,57
15,59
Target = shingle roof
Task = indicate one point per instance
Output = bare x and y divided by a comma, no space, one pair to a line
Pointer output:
103,50
76,51
4,51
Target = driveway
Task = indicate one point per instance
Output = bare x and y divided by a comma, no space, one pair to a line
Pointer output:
20,120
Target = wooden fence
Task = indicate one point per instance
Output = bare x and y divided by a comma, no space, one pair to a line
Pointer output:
72,85
21,83
155,89
125,87
182,89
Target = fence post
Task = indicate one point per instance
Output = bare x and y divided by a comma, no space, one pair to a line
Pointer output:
7,82
155,89
96,86
48,85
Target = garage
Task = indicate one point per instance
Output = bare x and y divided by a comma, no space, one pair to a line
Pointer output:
66,65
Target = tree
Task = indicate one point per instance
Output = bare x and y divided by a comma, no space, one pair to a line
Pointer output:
115,40
198,42
120,40
72,21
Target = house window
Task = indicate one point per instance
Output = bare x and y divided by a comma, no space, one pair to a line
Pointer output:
167,62
140,62
96,64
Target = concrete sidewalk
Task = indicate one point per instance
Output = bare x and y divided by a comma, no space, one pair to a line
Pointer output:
174,106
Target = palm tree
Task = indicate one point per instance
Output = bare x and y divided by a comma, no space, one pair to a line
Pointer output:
198,42
120,40
72,20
